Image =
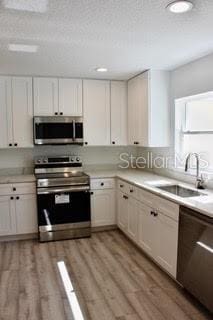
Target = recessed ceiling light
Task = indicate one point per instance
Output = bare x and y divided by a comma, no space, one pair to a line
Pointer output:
22,48
26,5
180,6
101,69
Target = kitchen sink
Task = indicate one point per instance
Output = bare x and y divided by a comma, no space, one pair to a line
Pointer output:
180,191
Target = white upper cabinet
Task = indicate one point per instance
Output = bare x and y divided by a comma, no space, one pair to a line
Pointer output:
118,112
96,109
16,112
5,105
22,111
148,109
45,96
59,97
70,97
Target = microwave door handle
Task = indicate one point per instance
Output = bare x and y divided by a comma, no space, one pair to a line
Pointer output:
74,133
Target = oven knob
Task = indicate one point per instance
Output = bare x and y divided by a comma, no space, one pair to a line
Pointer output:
77,159
72,159
39,161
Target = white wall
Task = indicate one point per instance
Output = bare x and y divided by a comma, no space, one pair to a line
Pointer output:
193,78
22,158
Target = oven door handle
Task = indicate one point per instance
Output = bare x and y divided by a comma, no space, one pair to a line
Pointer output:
63,189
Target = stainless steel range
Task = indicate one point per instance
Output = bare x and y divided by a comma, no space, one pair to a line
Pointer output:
63,198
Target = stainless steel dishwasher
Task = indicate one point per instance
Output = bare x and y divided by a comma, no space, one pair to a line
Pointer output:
195,255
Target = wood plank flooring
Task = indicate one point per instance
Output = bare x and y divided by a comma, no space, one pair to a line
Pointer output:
109,279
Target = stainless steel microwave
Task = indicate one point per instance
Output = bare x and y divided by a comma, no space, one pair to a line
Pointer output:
58,130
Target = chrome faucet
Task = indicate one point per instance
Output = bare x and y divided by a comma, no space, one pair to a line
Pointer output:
199,184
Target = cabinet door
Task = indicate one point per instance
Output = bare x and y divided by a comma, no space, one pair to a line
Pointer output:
70,97
96,100
132,111
103,207
26,214
122,218
147,226
22,110
45,96
7,216
167,242
132,227
6,136
118,112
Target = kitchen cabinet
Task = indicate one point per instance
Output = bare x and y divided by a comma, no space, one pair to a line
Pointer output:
70,97
103,207
132,214
96,109
118,96
167,243
148,109
5,108
16,112
26,214
45,96
18,212
7,216
59,97
22,112
122,211
151,222
146,229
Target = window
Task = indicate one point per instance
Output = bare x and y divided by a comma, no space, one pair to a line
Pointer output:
194,129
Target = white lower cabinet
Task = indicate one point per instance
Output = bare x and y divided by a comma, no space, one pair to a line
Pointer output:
122,211
103,207
18,212
7,216
152,230
167,243
132,218
26,214
146,229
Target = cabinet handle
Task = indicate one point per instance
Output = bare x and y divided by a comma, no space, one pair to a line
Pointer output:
152,213
155,214
113,142
131,190
91,192
121,185
56,113
102,184
14,189
61,113
125,197
85,142
10,144
15,144
17,198
11,198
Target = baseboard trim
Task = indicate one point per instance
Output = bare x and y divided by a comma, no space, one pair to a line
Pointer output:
104,228
28,236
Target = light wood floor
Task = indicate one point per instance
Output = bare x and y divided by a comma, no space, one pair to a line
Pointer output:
111,279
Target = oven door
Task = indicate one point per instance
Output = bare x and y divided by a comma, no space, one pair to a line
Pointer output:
63,207
58,130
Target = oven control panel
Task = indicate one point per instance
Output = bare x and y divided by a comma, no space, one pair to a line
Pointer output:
60,160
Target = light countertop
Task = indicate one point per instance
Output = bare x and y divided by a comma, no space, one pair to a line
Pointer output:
148,181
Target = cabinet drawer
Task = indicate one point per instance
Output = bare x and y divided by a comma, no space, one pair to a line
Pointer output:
123,186
133,191
5,189
97,184
24,188
166,207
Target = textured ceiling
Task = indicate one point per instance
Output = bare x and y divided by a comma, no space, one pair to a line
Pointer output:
126,36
